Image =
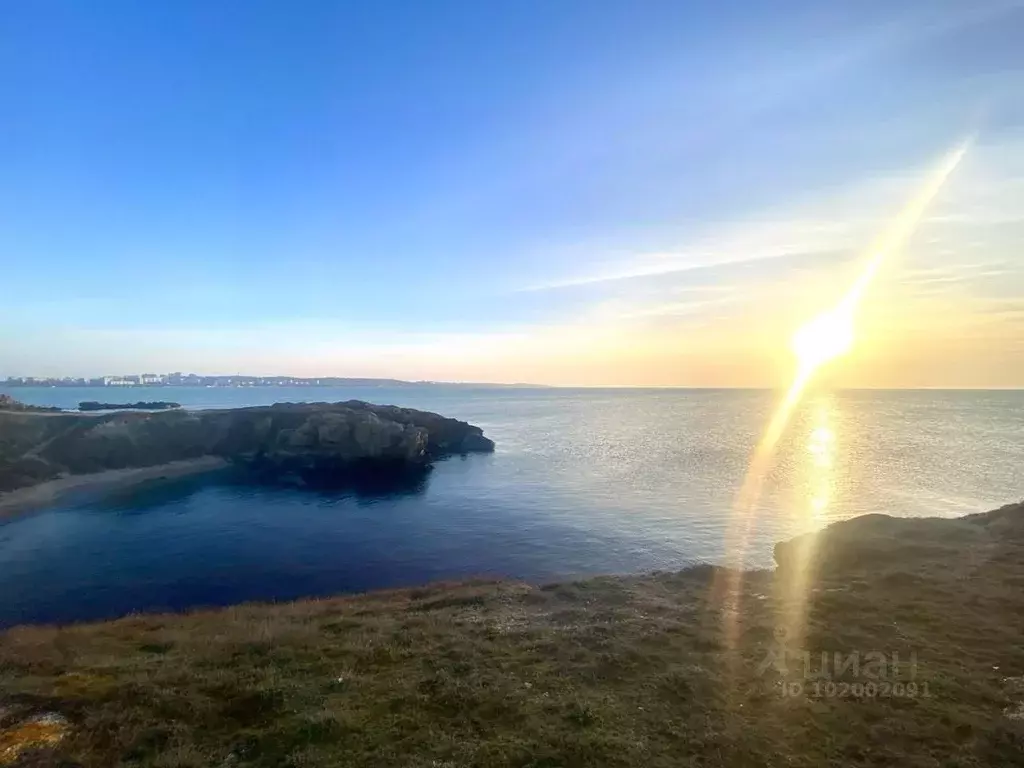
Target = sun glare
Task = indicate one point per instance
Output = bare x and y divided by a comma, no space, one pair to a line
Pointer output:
824,338
821,340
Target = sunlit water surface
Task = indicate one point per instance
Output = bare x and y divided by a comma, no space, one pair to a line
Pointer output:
582,482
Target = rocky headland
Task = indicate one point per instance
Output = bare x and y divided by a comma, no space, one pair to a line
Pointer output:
141,405
314,443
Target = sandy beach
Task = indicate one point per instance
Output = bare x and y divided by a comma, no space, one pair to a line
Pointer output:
26,499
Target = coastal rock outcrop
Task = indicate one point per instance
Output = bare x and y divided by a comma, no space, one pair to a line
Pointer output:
879,544
153,405
310,441
8,403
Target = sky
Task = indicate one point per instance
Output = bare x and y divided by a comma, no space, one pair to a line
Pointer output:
652,193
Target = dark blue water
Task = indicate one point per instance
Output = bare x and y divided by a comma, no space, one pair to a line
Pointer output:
582,482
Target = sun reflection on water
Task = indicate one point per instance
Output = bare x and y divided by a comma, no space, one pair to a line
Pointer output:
818,342
821,447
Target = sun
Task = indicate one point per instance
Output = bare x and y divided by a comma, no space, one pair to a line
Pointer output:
824,338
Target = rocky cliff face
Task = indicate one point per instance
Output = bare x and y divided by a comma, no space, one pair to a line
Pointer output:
297,439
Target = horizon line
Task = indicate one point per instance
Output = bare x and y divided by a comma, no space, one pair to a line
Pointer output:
11,381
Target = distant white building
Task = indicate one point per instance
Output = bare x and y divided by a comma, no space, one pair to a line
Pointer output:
151,378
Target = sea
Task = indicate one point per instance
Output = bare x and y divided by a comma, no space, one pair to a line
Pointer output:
583,482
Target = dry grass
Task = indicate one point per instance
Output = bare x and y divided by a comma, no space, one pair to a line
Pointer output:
604,672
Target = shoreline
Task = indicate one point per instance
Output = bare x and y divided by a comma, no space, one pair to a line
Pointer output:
36,496
902,647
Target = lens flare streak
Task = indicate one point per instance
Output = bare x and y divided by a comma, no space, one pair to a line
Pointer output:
820,341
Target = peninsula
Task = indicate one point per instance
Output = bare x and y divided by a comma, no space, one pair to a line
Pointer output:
301,443
141,405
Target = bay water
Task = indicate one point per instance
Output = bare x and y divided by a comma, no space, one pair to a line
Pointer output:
583,481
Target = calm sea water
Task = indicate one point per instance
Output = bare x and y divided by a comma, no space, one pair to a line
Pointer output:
582,482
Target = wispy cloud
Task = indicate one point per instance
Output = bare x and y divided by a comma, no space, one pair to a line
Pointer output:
840,221
742,243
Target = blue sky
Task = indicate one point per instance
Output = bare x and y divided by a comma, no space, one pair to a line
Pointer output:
562,192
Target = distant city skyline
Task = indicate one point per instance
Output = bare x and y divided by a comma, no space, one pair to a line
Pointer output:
179,379
243,380
574,193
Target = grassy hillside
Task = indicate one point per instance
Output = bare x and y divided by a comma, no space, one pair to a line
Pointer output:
661,670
